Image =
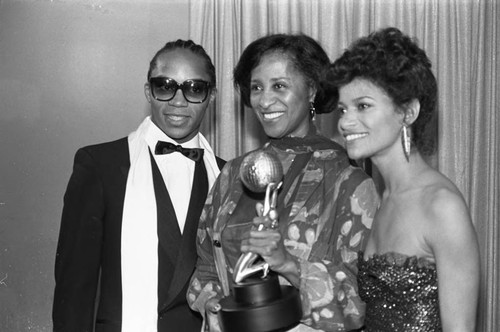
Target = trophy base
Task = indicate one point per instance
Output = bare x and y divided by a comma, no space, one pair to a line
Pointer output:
261,305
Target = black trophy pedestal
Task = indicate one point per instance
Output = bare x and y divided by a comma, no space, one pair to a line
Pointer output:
260,305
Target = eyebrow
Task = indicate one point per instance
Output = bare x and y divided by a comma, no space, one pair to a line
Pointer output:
363,97
286,78
281,78
356,100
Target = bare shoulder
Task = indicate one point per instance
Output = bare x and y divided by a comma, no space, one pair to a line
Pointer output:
446,211
442,198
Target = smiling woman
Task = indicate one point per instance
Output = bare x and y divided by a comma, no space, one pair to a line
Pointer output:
324,207
423,245
280,97
370,122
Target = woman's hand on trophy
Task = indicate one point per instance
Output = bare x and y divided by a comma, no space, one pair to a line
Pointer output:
267,241
268,221
212,307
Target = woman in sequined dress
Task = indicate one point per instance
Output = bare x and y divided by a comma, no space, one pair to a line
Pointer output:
325,206
420,269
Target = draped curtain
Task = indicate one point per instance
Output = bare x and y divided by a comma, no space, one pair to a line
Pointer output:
460,38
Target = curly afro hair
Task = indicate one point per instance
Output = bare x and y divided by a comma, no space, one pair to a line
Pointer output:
394,62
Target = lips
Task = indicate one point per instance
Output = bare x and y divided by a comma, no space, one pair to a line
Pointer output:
352,137
174,117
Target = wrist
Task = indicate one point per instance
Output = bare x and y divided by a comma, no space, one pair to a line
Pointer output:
290,269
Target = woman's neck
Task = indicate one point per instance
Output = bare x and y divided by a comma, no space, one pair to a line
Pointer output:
399,174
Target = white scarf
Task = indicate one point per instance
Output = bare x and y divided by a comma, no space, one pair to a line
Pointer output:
139,238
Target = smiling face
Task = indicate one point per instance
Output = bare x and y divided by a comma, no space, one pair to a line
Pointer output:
280,97
370,121
178,118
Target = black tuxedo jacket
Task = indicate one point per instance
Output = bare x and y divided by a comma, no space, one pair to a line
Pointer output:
88,262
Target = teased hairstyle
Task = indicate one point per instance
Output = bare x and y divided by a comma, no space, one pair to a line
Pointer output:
188,45
305,53
394,62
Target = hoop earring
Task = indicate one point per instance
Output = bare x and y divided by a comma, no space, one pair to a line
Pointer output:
406,140
312,111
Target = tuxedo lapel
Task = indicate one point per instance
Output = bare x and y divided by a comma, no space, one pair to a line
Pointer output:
186,260
169,234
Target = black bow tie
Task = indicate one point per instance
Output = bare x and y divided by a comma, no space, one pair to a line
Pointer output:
166,148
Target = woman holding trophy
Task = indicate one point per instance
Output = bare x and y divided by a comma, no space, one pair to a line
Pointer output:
320,211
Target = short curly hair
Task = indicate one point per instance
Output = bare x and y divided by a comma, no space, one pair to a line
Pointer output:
306,54
394,62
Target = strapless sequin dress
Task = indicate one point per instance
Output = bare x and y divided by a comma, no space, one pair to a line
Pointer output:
400,292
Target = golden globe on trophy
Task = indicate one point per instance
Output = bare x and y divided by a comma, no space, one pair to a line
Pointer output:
258,303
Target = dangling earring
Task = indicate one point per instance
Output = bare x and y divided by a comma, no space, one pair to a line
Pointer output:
312,111
406,140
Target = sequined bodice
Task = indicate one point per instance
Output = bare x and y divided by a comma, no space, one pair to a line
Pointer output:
401,293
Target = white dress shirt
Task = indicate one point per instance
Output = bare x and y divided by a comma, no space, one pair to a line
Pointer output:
177,171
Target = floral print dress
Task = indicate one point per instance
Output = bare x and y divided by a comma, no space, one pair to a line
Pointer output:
330,208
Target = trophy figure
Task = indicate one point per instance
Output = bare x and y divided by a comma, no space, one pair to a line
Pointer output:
258,302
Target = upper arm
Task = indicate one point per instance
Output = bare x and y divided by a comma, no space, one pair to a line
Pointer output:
83,211
204,283
328,277
357,203
78,250
455,248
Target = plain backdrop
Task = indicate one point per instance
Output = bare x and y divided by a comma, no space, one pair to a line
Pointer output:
71,74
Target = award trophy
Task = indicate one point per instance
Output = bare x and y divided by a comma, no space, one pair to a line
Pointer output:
258,302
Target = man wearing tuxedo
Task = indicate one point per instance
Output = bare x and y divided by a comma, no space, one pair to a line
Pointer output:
126,246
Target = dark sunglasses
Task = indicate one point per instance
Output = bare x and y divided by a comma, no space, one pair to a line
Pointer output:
164,89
